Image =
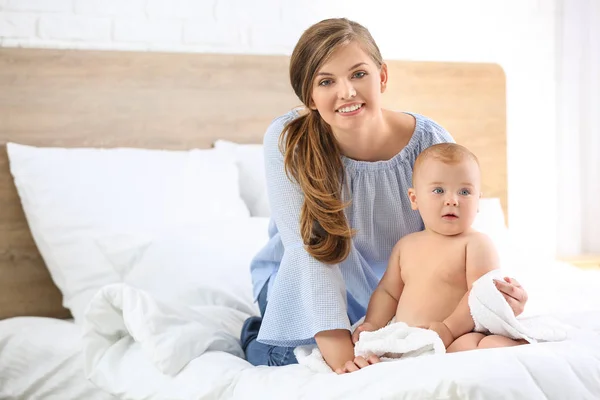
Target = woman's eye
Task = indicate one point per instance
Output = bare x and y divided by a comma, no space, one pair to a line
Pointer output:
359,74
438,190
325,82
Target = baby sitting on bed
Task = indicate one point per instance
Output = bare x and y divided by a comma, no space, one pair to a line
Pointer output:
430,273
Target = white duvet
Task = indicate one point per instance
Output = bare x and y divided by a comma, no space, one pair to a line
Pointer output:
170,330
40,359
139,347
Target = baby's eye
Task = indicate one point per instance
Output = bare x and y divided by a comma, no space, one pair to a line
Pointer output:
360,74
438,190
464,192
325,82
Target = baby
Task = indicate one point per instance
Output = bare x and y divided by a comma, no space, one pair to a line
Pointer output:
430,273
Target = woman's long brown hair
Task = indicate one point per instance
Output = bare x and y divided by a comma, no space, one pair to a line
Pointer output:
312,156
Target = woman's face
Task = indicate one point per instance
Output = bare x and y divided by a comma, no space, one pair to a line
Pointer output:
347,89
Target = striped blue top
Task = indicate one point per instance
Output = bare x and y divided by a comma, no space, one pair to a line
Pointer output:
306,296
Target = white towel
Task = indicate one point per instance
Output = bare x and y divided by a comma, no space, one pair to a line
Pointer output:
491,314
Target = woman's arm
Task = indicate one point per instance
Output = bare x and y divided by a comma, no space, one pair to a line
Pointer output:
336,347
307,300
337,350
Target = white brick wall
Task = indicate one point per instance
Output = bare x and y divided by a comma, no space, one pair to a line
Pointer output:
18,25
74,27
517,34
147,31
105,8
41,6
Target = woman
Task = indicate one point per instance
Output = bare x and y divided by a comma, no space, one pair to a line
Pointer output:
338,171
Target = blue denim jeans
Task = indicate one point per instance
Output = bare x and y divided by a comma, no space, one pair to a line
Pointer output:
259,353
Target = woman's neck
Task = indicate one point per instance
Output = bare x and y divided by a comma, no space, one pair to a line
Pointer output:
376,141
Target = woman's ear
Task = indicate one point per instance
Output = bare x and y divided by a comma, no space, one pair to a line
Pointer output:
412,196
383,75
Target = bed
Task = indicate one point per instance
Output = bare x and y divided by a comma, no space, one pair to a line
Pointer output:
126,178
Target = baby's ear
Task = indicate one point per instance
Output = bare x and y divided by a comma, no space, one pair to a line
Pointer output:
412,196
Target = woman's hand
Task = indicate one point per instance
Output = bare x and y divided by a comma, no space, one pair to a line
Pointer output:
357,363
337,350
513,292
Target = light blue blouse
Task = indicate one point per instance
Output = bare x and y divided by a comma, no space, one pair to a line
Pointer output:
306,296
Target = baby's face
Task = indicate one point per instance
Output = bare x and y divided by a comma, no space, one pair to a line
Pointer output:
447,195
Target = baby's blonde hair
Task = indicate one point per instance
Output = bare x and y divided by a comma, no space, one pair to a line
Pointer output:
448,153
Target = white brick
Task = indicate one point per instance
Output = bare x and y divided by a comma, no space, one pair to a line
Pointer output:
310,13
269,37
213,33
74,28
71,44
118,8
185,9
40,5
16,25
143,30
234,12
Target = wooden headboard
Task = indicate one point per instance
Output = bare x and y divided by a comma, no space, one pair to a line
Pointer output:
79,98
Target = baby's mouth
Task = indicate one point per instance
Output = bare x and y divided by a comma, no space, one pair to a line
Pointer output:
450,216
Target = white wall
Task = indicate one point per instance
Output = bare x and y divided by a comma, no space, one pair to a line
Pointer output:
517,34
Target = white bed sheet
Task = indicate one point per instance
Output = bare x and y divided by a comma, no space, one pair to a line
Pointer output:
40,358
561,370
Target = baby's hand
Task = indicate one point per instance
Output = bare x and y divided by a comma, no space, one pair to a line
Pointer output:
443,331
364,327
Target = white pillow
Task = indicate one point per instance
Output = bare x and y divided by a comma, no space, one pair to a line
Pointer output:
253,184
73,198
199,266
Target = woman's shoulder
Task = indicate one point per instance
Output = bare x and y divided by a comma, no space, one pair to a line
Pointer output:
277,127
427,133
427,129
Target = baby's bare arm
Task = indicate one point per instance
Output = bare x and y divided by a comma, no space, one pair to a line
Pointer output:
482,257
384,300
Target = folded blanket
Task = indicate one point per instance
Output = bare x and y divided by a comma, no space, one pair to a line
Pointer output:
491,314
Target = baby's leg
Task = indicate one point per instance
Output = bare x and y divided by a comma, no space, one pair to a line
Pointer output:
469,341
492,341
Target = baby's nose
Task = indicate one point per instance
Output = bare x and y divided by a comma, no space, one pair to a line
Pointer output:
451,201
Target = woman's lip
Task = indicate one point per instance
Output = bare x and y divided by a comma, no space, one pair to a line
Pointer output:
351,113
349,105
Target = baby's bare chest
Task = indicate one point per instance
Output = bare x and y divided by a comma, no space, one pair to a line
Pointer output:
434,263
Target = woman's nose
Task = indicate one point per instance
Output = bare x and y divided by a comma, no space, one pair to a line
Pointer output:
347,91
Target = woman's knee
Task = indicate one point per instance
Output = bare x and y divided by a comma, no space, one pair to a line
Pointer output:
280,356
273,356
